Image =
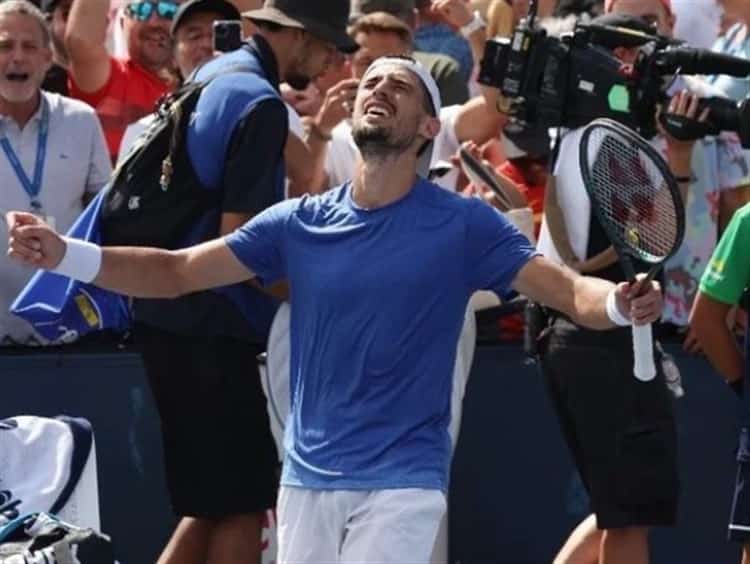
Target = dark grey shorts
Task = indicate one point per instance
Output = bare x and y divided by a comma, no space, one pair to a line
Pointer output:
219,455
620,431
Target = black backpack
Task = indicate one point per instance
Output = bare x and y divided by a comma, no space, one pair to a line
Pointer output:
155,197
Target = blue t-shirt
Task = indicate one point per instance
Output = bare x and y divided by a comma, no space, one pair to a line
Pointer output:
378,303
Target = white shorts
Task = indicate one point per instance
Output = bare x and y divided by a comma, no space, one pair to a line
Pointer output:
358,527
275,380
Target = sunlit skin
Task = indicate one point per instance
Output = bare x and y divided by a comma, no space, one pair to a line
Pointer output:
149,42
389,106
651,11
736,9
193,41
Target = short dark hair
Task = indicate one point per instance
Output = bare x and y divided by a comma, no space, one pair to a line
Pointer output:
381,22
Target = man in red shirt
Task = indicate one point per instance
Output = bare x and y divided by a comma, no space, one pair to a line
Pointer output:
121,90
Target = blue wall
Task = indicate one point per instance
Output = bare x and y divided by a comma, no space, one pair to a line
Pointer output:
515,496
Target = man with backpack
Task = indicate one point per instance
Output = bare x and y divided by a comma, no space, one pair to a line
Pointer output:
200,350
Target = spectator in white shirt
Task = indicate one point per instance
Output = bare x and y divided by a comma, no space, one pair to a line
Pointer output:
53,156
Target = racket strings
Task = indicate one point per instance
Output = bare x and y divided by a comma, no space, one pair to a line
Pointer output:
632,195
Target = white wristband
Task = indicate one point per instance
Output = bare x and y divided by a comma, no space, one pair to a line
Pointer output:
473,25
81,261
613,312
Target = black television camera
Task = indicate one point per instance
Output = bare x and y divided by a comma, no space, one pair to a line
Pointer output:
569,81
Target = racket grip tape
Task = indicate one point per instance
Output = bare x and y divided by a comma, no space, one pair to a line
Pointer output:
644,368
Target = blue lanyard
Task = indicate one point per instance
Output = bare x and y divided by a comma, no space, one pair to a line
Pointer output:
32,187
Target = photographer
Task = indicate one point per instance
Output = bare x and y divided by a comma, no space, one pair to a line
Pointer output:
620,431
717,181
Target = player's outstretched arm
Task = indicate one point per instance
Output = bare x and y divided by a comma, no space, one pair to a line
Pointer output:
584,298
140,272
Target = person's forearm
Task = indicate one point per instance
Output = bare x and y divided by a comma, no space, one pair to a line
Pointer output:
556,225
86,26
141,272
477,40
600,261
582,298
722,351
708,323
297,158
317,142
85,41
479,122
589,302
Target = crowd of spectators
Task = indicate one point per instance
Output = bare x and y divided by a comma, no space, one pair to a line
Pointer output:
80,79
114,61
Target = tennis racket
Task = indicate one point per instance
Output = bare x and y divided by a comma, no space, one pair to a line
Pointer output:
636,199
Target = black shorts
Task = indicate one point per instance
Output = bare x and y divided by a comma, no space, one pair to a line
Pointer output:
739,520
620,431
219,454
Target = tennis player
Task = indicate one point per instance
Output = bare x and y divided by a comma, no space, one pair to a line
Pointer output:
722,287
381,270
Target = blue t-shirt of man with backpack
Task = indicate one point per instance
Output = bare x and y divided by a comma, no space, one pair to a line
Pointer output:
239,106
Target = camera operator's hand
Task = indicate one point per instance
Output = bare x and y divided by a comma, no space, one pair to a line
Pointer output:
683,106
337,106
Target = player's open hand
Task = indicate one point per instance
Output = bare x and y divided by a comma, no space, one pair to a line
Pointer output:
32,242
642,303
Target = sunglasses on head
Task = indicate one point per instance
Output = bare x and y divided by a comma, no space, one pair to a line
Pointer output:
141,11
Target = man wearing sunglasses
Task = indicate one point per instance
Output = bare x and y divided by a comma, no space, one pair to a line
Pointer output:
121,90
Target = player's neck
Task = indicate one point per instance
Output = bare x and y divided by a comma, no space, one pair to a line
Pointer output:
380,182
20,112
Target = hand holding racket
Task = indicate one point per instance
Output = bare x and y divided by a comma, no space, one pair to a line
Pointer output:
637,201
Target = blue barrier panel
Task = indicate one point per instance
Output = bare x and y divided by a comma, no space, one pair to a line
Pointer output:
514,495
111,391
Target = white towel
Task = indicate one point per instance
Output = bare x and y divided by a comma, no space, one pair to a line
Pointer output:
572,199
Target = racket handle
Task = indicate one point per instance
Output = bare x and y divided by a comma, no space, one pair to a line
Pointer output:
643,353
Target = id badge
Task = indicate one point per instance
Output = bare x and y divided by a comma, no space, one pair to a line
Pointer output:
50,220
